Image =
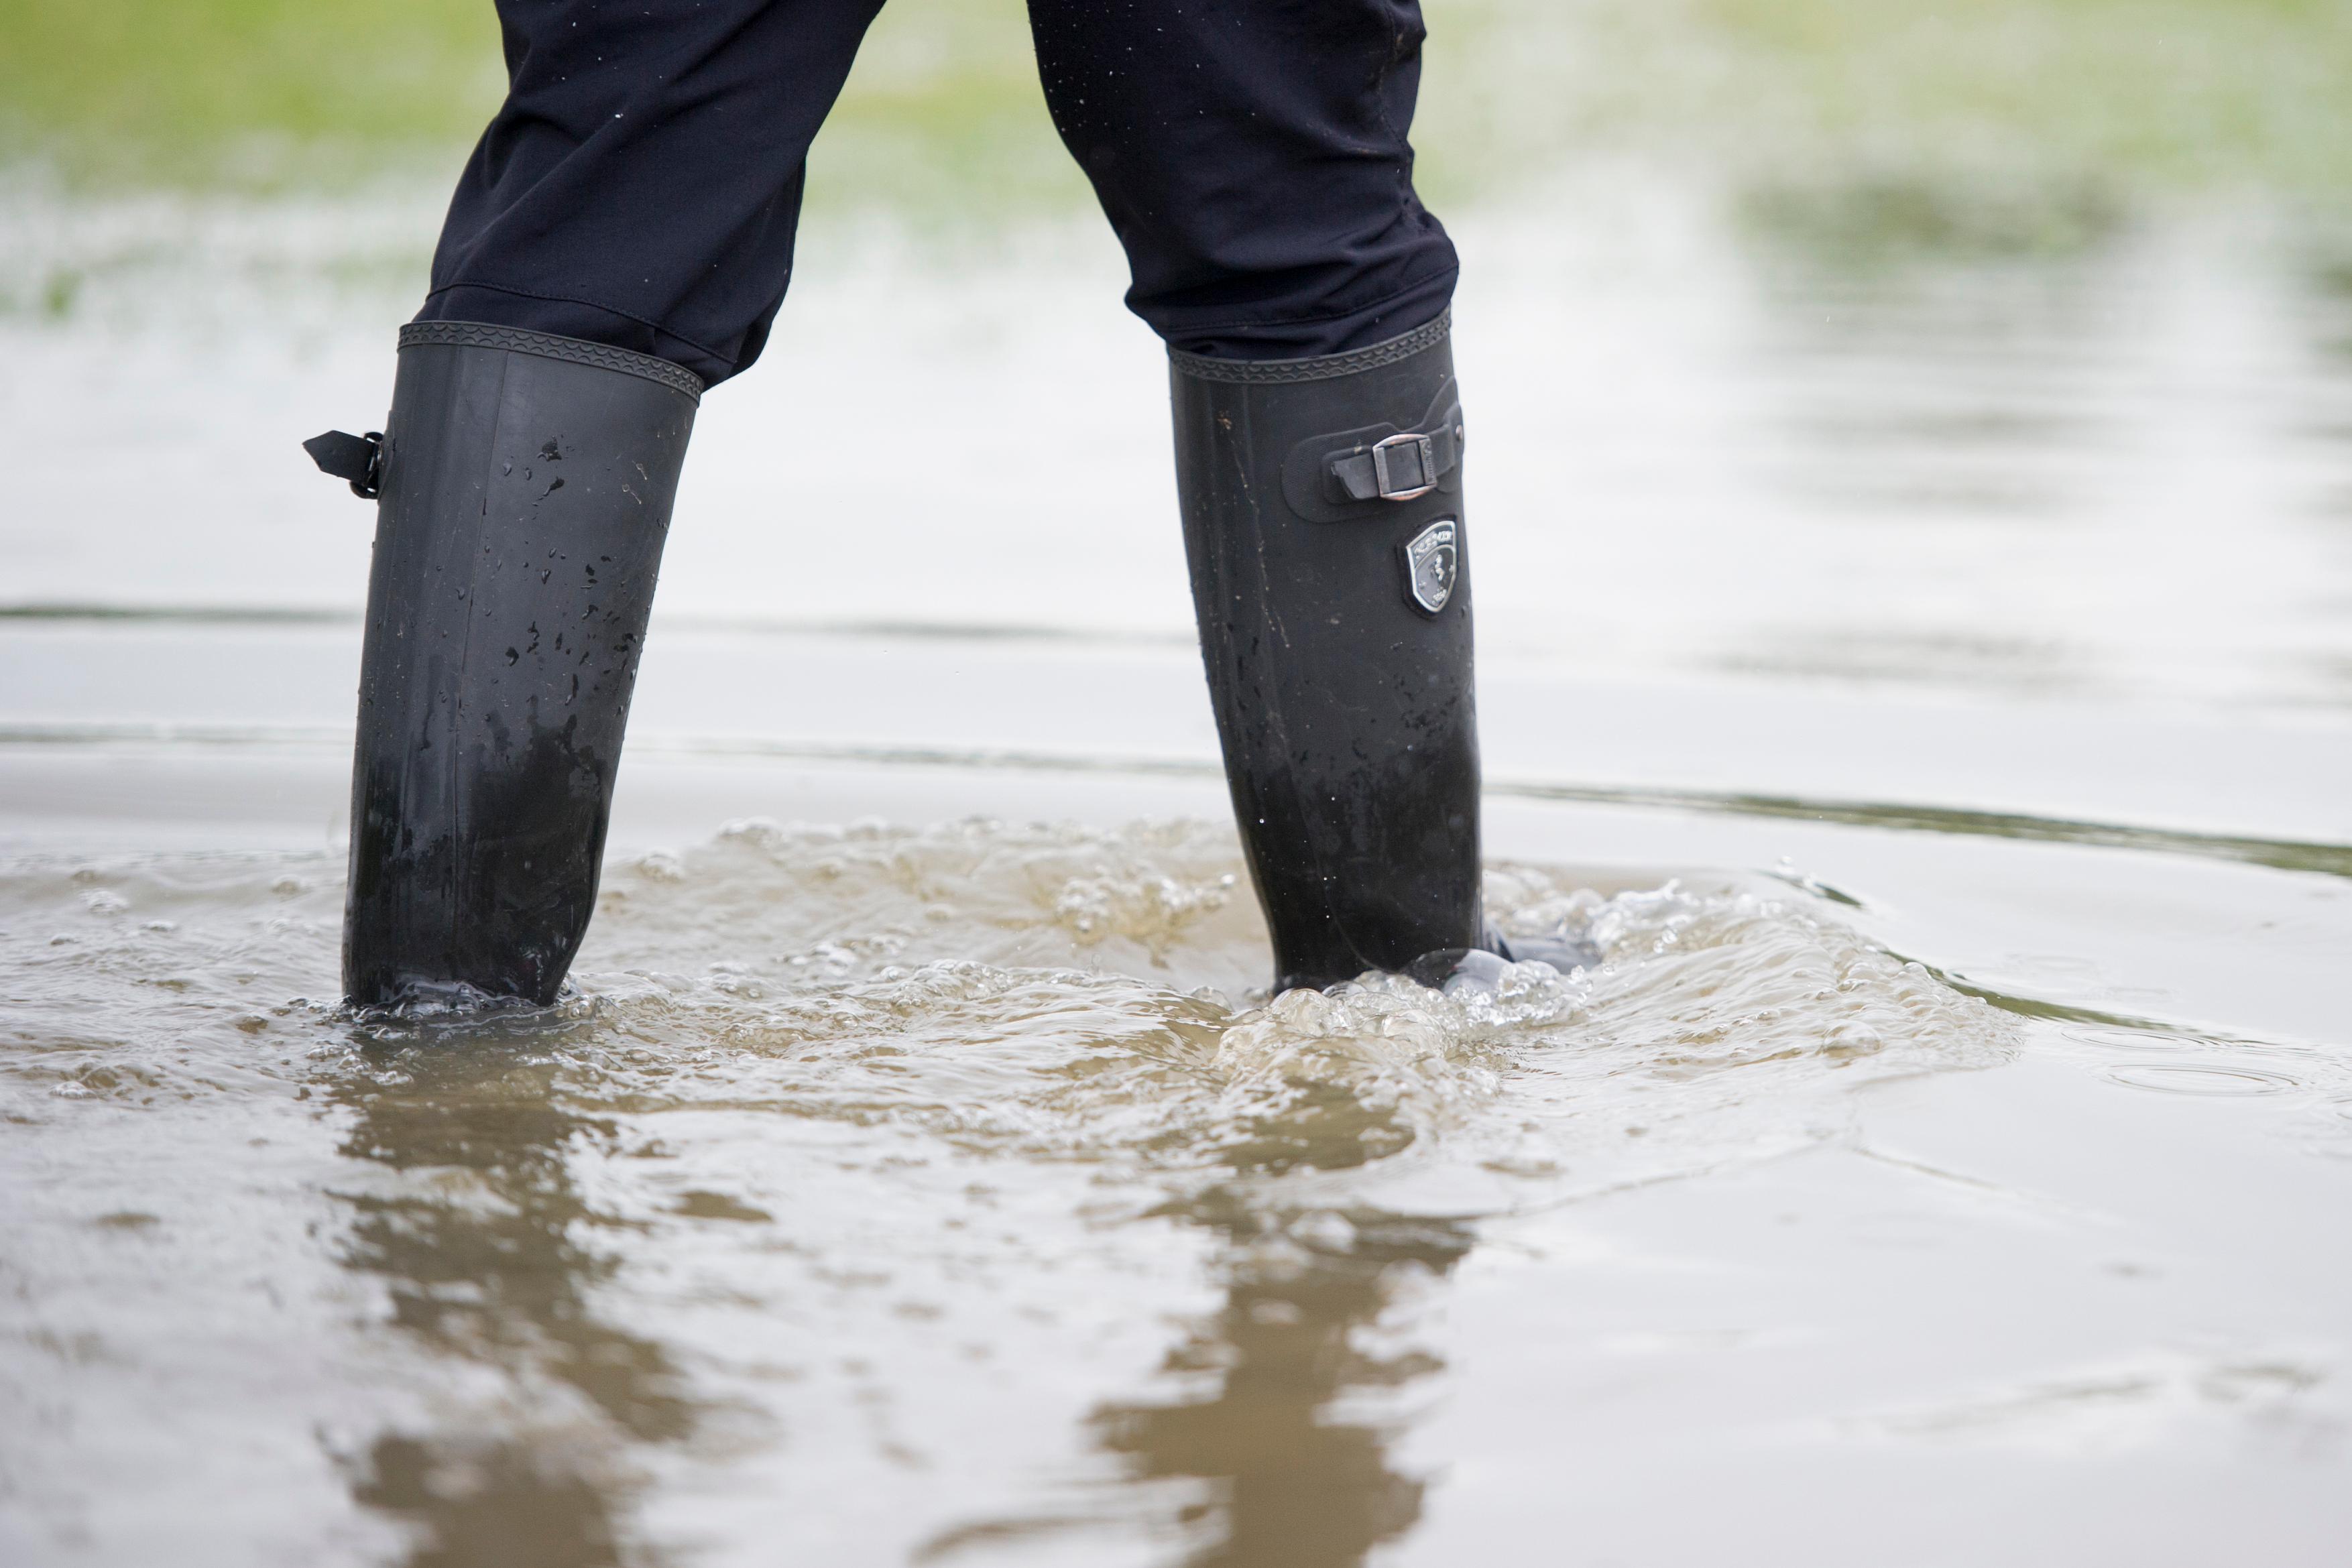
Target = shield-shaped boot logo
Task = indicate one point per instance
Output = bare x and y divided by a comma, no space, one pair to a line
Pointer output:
1430,563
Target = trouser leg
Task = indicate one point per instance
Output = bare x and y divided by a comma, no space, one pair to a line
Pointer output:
641,184
1253,157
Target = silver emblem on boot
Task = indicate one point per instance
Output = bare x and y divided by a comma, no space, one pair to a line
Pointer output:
1430,561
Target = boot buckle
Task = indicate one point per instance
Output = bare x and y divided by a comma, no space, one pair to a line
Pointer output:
356,458
1404,467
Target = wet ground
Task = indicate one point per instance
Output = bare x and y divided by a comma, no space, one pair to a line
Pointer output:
1924,676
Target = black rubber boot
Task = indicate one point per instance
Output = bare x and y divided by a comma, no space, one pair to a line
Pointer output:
526,485
1322,503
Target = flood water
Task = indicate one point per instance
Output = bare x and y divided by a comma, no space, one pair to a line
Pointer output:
1924,679
942,1194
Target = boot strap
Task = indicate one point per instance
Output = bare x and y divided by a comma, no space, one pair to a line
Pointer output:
1342,477
1405,466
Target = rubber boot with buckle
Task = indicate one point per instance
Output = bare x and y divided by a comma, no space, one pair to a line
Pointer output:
524,487
1323,524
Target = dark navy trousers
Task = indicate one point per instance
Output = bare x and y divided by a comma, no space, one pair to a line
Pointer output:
641,184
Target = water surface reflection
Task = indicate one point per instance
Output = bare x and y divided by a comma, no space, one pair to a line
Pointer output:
487,1246
1295,1480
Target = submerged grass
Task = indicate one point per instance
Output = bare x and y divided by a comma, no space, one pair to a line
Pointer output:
1791,97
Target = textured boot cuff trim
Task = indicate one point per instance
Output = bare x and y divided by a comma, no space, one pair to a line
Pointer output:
548,346
1324,368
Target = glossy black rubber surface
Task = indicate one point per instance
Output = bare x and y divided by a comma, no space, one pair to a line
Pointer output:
525,502
1349,732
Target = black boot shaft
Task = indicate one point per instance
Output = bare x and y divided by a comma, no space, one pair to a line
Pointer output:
1335,626
527,485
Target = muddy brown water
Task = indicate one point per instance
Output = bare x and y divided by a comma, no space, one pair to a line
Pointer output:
946,1195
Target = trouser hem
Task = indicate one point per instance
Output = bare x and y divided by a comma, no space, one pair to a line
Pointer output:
552,346
1319,367
576,319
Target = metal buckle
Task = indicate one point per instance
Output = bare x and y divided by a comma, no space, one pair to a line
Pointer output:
1384,464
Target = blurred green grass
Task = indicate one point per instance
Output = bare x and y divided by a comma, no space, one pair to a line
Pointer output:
270,94
2249,92
1788,98
168,92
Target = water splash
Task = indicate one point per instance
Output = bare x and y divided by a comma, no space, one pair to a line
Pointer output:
840,1128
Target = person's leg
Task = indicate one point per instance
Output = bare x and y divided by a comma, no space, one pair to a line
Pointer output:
640,185
1252,155
620,238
